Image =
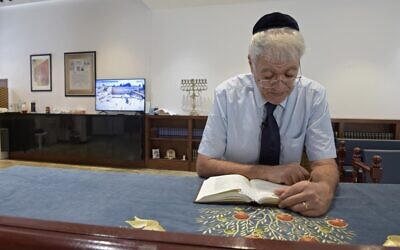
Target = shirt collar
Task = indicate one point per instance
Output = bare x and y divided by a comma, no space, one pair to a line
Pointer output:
260,100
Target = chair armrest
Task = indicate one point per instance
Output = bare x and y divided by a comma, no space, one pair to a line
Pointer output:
374,171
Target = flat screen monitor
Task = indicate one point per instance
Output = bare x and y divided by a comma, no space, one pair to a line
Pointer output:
120,94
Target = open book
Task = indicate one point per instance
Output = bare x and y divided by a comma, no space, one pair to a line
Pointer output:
234,188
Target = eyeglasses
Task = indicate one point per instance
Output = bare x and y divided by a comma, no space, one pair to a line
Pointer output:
273,83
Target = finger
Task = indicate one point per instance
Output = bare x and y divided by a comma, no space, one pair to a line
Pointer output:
287,180
303,174
294,200
300,174
294,177
294,189
278,192
300,207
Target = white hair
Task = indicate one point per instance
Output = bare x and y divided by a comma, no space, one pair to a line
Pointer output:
279,45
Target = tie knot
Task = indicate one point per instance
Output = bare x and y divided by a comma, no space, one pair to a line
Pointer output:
270,108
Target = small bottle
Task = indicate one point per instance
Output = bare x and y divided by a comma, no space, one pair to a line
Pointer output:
33,107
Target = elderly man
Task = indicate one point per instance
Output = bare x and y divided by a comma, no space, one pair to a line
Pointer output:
261,122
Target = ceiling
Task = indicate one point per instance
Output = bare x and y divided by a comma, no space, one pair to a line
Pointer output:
17,2
165,4
152,4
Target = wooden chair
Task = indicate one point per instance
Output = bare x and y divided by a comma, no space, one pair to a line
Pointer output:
345,170
361,170
358,171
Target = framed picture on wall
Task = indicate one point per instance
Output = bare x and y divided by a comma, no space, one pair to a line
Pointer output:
80,73
40,72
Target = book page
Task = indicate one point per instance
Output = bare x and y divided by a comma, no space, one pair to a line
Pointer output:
264,191
224,187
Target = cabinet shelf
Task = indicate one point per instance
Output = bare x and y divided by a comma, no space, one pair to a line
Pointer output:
176,139
378,129
179,133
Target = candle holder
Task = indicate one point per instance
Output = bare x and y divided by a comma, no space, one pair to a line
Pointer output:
194,88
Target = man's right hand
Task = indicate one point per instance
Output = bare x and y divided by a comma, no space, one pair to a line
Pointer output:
288,174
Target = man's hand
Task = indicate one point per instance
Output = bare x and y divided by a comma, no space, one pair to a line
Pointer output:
285,174
306,198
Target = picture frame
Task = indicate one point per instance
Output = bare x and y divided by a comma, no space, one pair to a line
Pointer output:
41,75
80,73
155,153
170,154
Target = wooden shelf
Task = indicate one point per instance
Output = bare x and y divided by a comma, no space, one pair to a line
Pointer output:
367,128
176,139
157,130
168,164
190,125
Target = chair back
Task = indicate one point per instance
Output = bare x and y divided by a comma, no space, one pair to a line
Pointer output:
366,144
390,164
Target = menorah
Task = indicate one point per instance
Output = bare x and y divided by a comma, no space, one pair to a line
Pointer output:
194,87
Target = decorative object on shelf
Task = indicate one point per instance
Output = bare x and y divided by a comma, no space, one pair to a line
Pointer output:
161,111
79,111
170,154
183,157
194,88
47,110
155,153
80,73
41,72
24,108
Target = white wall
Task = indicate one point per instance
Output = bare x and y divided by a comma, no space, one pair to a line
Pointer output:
353,48
118,30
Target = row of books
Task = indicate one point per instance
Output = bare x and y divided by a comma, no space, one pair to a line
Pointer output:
178,132
368,135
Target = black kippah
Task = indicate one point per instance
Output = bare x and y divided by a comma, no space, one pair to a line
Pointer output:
275,20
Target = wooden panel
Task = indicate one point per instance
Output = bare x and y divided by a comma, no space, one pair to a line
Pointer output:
169,164
24,233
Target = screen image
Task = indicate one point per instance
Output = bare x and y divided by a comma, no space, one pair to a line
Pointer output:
120,94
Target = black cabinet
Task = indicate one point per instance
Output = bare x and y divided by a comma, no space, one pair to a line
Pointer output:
109,140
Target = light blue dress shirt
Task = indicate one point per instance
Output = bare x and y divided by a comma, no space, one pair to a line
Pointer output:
233,129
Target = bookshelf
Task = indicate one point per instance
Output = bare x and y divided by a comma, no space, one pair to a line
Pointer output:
183,135
179,133
379,129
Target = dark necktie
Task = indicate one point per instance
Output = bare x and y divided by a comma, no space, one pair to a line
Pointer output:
270,138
